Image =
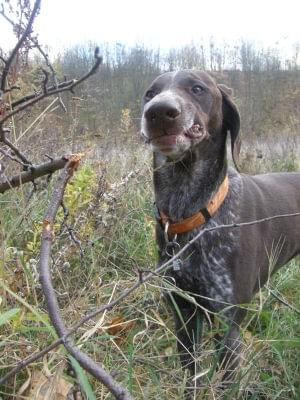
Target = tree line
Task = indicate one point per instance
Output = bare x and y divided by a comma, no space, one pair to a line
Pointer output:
266,86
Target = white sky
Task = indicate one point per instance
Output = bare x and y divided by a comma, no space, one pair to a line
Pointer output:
166,23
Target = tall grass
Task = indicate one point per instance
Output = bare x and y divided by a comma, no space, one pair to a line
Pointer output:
111,218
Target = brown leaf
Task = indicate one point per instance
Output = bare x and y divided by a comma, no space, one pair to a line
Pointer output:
43,388
115,325
17,280
120,328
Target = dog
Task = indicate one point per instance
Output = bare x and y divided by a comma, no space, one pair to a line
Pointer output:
186,120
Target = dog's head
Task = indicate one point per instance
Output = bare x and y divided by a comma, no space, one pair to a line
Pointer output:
183,110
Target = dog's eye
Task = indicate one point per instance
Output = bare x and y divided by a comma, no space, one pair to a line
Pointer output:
197,89
150,94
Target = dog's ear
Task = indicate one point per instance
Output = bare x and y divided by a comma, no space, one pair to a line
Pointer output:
231,122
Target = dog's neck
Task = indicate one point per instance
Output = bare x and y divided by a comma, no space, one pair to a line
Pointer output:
185,186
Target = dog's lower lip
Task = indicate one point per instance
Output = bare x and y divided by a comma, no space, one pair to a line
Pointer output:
165,140
169,140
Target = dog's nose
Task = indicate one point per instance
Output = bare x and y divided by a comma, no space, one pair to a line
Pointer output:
162,111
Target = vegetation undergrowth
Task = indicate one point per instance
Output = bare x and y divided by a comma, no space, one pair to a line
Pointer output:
104,237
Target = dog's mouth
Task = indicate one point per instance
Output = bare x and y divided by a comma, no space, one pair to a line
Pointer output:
169,140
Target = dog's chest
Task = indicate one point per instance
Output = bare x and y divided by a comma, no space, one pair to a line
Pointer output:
207,264
205,270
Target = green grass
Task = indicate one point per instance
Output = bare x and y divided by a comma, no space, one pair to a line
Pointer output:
116,234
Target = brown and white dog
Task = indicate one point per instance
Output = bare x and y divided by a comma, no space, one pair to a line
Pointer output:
186,119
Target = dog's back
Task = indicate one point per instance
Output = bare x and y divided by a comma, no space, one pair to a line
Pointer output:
266,246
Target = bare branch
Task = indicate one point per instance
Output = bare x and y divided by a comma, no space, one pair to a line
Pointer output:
85,361
17,47
35,172
14,87
31,96
8,143
45,81
29,100
11,157
2,12
53,72
36,44
53,90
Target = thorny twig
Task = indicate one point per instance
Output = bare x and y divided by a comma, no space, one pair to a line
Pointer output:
31,96
36,170
141,280
53,72
65,86
9,144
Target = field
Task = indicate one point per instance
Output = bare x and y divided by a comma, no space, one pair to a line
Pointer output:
103,235
106,239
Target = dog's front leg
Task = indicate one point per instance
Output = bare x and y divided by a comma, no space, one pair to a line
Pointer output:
188,327
230,353
229,347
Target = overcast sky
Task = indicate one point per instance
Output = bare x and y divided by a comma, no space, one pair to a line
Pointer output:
167,23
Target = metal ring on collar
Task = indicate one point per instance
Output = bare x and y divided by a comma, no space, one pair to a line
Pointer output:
171,246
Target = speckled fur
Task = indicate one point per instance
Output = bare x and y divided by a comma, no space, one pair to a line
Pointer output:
205,264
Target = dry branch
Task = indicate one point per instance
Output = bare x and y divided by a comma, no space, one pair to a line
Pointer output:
9,144
54,90
17,47
34,172
31,171
84,360
141,280
49,91
65,86
31,96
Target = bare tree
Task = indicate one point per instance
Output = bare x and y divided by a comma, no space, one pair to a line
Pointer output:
9,65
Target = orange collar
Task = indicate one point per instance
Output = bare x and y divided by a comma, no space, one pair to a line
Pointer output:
200,217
